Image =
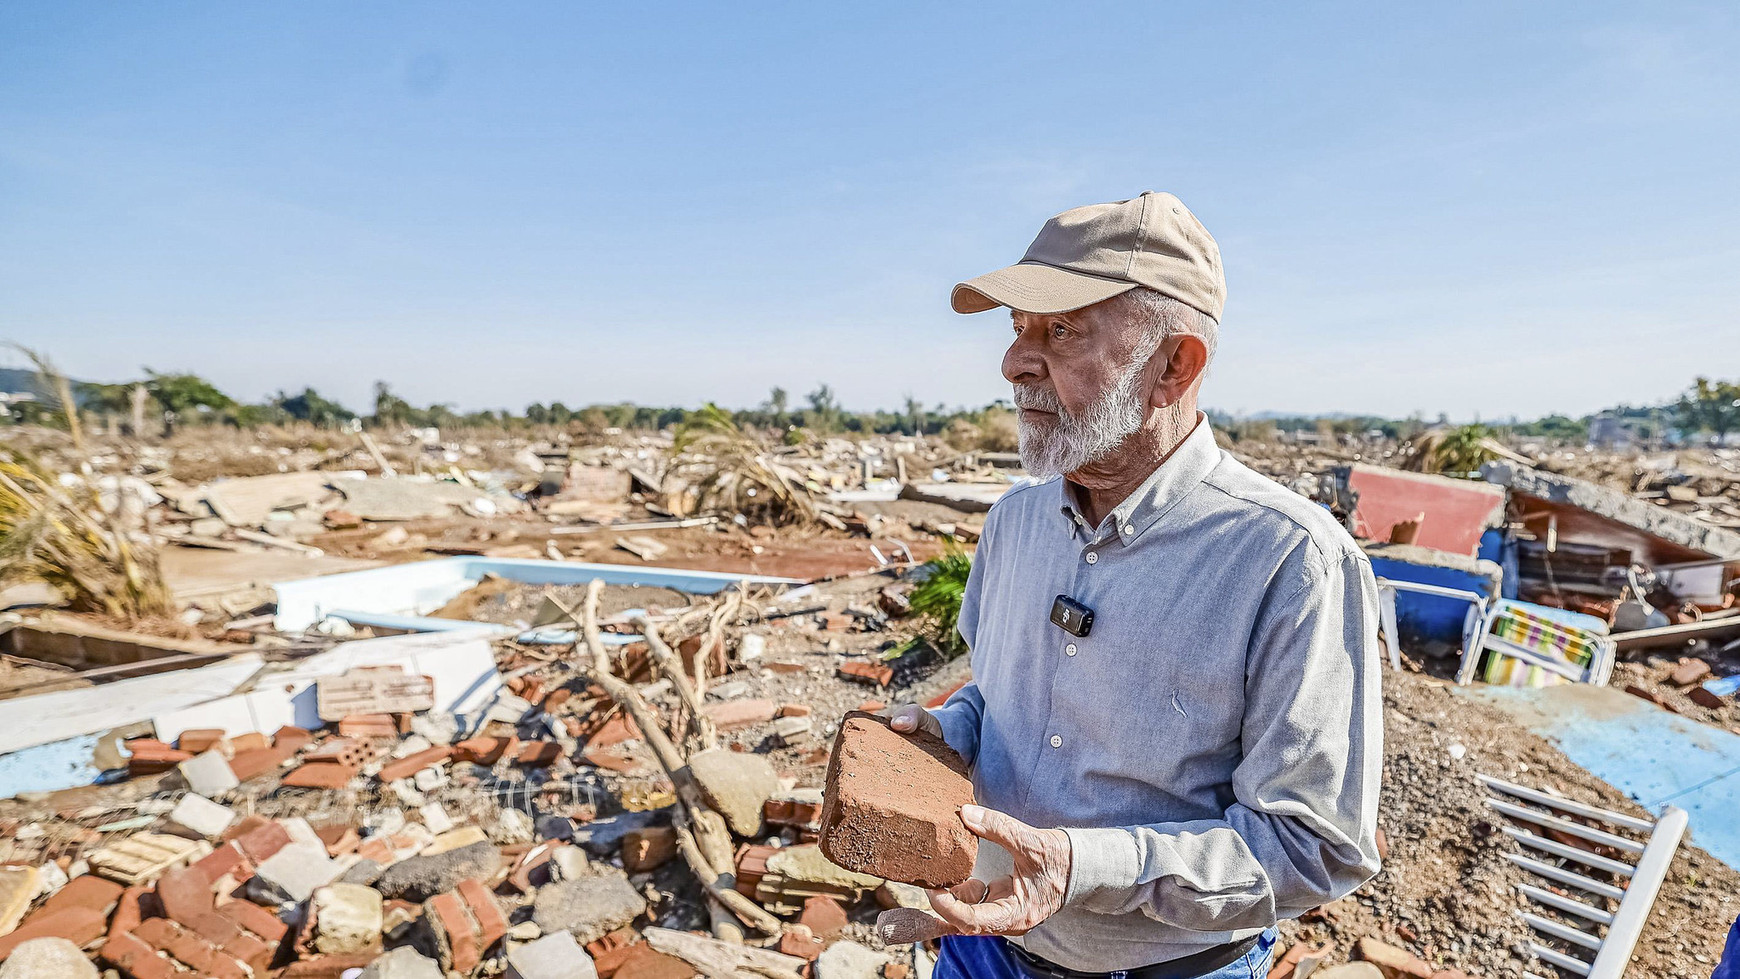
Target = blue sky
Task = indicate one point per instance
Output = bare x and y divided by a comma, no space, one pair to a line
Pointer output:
1480,209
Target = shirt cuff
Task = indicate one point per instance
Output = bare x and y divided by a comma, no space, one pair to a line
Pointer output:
1103,867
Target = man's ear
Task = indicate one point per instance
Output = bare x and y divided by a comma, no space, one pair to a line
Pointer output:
1189,358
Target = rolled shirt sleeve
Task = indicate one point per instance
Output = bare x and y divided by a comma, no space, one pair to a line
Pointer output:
1303,829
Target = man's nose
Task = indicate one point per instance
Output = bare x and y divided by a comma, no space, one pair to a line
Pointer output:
1022,362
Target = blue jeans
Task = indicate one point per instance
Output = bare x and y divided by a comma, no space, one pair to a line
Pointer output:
978,957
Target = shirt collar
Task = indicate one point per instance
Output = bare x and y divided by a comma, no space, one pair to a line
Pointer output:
1187,466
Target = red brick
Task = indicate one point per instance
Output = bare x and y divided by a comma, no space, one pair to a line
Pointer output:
185,894
1706,698
344,751
226,859
411,765
339,839
872,707
619,728
85,891
555,699
251,741
224,934
865,671
294,738
480,751
823,916
256,919
642,962
790,812
369,726
320,775
538,754
261,841
794,710
154,759
799,942
200,740
81,926
135,957
327,966
893,805
733,714
256,762
446,913
491,924
128,913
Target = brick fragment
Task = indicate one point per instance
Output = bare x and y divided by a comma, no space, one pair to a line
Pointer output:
343,751
294,738
893,805
411,765
864,671
185,894
799,941
251,741
794,710
1393,962
85,891
369,726
1706,698
200,740
823,916
256,762
261,840
734,714
150,757
648,848
480,751
320,775
78,925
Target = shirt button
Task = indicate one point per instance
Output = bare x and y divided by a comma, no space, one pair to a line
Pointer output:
1093,557
1069,650
1129,531
1056,742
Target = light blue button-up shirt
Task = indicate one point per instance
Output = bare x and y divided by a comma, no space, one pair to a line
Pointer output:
1213,745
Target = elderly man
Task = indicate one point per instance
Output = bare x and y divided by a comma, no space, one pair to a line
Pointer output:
1174,721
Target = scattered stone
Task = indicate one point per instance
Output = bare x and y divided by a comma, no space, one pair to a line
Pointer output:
512,826
1690,671
347,918
422,877
792,730
737,785
849,960
569,863
292,874
208,774
48,958
453,840
808,864
435,818
402,963
554,956
893,805
201,817
894,894
589,908
17,889
525,931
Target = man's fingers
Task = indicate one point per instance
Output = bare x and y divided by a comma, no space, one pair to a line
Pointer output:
906,926
1000,828
911,717
996,918
972,890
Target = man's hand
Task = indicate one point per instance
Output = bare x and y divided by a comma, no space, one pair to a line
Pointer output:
1010,905
912,717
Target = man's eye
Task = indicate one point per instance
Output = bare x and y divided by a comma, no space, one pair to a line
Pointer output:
1059,331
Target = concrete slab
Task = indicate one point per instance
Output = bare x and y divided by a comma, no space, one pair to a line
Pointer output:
1655,757
1587,513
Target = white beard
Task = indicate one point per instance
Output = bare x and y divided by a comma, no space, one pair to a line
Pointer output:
1053,448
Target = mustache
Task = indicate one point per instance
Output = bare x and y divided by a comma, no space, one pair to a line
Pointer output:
1037,398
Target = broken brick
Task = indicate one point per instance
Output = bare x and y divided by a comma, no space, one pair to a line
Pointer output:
538,754
864,671
733,714
320,775
79,925
200,740
293,738
480,751
794,710
185,894
369,726
823,916
892,805
648,848
412,764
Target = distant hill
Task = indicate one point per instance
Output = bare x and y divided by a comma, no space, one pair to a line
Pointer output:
16,380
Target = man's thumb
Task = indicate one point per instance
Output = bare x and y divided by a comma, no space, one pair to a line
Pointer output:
906,926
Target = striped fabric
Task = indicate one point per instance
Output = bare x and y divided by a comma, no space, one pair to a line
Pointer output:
1566,644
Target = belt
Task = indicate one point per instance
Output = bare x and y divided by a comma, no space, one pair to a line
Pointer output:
1189,967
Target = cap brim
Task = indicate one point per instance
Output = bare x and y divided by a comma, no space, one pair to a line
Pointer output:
1034,288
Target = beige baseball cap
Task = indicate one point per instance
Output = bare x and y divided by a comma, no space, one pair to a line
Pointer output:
1090,254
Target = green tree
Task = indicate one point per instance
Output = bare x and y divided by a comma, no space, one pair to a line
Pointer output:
310,407
824,411
184,394
390,409
1709,406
